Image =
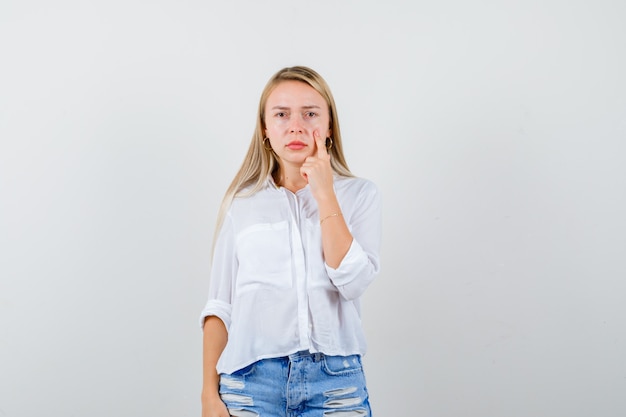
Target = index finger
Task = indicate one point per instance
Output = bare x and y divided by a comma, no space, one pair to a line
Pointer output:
321,145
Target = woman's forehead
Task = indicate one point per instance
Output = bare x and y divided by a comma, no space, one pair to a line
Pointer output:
294,93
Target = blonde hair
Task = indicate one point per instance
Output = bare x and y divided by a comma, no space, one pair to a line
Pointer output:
260,162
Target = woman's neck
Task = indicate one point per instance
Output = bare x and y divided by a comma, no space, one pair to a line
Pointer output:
290,178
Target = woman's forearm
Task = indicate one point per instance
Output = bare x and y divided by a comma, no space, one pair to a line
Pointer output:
336,237
215,338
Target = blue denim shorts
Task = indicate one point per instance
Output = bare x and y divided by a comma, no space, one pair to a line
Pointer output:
300,385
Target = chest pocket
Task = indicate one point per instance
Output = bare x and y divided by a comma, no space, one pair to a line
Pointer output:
264,255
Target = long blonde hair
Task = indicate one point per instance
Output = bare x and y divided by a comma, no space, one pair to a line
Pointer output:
260,162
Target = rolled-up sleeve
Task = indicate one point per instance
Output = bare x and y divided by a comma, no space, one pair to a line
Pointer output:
223,273
362,262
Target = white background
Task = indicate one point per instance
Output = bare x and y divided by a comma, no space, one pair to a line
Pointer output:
496,131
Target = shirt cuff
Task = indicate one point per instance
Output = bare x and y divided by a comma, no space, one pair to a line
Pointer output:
350,267
216,308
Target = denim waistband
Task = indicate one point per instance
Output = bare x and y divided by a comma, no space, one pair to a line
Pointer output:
304,354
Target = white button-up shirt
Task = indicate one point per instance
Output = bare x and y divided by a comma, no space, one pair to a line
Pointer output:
269,282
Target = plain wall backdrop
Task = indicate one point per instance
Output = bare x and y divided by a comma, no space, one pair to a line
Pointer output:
496,131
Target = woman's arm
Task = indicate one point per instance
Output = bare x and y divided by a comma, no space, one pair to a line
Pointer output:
336,237
214,341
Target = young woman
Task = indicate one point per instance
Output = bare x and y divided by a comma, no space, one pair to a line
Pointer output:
297,245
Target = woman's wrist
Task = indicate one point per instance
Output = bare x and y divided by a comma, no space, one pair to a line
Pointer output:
210,394
336,214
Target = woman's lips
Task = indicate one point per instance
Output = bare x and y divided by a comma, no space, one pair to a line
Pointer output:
296,145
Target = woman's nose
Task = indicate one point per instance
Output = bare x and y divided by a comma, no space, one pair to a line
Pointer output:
296,126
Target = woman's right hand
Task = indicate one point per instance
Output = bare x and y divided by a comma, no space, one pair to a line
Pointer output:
214,407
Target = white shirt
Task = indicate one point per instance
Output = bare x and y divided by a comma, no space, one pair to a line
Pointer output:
269,282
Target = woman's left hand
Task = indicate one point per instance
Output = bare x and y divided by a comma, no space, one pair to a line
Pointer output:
318,172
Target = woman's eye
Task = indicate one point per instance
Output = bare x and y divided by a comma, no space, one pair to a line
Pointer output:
311,114
281,114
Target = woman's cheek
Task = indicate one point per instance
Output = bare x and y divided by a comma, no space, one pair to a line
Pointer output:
316,125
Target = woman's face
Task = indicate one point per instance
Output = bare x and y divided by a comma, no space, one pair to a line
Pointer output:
293,112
